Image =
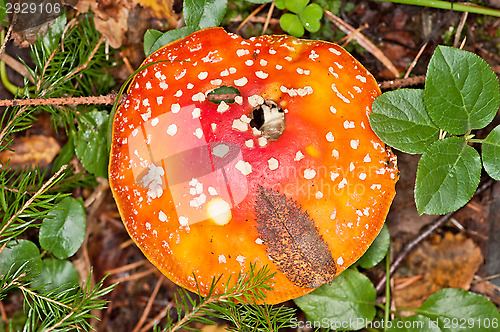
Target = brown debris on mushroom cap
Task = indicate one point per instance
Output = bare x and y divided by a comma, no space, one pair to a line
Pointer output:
186,171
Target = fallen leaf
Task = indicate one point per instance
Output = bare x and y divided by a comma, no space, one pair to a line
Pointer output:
31,150
448,262
293,242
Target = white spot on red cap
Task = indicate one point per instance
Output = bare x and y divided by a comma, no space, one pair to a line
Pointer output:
318,195
241,81
309,173
340,261
260,74
198,132
341,96
202,75
217,81
342,183
263,62
159,100
351,166
148,85
162,216
376,186
154,122
200,96
172,129
329,137
244,167
361,78
183,221
354,143
334,51
349,124
367,158
238,100
273,164
249,143
189,86
249,62
239,125
163,85
178,93
299,156
333,109
259,240
175,108
333,175
279,67
196,113
335,153
255,100
222,107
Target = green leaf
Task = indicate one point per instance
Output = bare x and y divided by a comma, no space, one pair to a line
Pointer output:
377,251
292,24
3,14
447,176
20,252
491,153
201,14
296,6
460,310
63,231
168,37
53,38
461,91
90,145
350,298
150,37
399,119
56,273
280,4
311,17
67,152
415,323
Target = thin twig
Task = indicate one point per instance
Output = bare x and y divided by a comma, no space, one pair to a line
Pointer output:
362,41
29,291
402,82
268,18
249,17
421,237
6,39
47,63
91,100
127,267
147,309
135,276
414,62
38,193
158,317
460,27
17,66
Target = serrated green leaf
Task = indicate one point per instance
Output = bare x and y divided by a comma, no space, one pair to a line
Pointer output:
90,145
377,251
461,91
350,298
311,17
296,6
415,323
63,231
19,252
56,273
491,153
150,38
447,176
168,37
292,24
201,14
399,119
456,308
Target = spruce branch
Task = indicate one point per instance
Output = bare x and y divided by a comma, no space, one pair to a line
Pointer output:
44,187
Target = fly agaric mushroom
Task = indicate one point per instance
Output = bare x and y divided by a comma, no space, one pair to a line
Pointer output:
283,170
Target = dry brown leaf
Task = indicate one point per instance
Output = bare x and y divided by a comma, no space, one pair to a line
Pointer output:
110,18
32,150
451,261
295,245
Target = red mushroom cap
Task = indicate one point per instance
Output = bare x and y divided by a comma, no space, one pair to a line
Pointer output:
286,173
